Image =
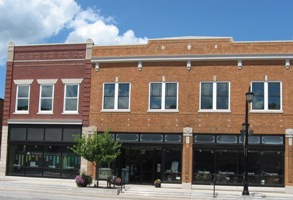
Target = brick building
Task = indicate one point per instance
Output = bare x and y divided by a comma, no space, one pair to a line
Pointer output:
46,103
178,105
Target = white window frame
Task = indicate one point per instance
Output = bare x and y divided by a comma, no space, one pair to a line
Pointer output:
266,98
116,92
18,83
214,109
46,82
163,109
70,82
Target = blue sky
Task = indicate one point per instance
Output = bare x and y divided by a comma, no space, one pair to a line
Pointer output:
135,21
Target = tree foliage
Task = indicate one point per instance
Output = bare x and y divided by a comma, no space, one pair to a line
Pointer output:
97,148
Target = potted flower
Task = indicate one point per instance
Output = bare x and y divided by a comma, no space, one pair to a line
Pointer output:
83,180
157,183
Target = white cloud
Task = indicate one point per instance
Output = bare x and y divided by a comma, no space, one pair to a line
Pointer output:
35,21
32,21
88,24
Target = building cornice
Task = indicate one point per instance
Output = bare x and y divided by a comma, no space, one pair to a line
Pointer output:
175,58
189,58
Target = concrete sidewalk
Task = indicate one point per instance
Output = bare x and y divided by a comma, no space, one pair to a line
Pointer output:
167,191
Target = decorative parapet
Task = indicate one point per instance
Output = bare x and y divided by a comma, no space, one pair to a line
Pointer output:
10,54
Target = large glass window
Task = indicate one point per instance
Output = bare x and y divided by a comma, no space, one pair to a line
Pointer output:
43,150
215,96
46,98
43,160
116,96
213,159
267,96
163,96
272,173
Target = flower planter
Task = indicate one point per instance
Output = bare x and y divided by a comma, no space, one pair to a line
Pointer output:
158,185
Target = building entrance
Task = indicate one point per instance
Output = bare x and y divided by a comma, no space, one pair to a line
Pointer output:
146,157
143,165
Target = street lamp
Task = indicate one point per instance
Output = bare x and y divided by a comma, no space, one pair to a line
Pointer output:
249,99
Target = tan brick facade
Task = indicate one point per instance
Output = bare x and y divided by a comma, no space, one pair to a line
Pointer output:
211,60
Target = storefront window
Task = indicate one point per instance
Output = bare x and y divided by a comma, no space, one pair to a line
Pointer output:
52,161
34,160
144,164
272,173
203,169
43,151
226,167
17,160
227,163
223,160
172,165
70,163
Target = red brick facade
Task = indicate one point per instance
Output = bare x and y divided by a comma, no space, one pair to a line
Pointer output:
53,64
48,62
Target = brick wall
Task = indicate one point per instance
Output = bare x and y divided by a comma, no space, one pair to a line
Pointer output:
48,62
139,120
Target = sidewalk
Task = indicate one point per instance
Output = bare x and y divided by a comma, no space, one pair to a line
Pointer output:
167,191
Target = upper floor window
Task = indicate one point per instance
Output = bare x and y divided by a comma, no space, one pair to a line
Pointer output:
22,96
116,96
267,96
46,95
163,96
71,95
215,96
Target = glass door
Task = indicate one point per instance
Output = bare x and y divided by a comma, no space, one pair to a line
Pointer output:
141,165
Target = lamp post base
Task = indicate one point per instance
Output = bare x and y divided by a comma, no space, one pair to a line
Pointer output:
245,189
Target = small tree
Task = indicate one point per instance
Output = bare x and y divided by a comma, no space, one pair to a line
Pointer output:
97,148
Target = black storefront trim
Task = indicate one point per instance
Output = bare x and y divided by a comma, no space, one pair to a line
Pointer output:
42,150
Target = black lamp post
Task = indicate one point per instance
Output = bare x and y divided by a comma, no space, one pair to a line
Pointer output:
249,99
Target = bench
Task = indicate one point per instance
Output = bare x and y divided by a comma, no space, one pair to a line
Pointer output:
115,181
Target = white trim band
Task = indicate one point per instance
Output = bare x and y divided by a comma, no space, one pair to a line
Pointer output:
36,121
